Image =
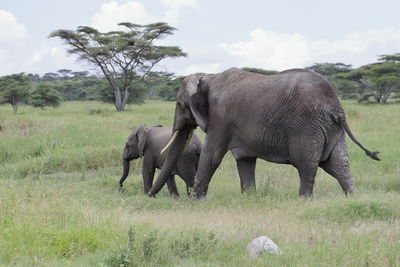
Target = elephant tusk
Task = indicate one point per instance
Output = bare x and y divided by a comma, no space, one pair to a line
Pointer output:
170,142
190,137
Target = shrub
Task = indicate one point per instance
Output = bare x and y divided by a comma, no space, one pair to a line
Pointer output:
353,211
75,243
158,248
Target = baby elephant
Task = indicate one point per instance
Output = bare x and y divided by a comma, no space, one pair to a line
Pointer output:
148,143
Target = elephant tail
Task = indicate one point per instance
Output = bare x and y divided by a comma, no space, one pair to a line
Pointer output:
373,155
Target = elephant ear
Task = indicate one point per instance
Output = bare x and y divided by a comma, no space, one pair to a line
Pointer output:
199,106
141,137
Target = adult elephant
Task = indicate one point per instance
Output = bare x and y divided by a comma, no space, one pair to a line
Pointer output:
293,117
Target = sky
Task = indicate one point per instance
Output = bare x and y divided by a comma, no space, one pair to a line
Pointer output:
216,34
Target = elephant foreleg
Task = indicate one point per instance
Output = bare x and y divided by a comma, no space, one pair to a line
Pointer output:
210,158
173,190
148,176
246,168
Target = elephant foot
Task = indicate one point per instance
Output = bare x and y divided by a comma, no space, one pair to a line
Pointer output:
350,190
198,196
121,189
175,196
307,196
248,190
151,195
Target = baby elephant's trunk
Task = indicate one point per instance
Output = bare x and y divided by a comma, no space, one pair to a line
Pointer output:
126,164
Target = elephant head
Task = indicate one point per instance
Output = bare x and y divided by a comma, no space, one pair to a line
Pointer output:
192,105
134,148
191,110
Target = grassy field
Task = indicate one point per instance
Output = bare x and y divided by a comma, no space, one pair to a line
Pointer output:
60,205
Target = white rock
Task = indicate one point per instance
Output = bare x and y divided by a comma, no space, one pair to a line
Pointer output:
261,244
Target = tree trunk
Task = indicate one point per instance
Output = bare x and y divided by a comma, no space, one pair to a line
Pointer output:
386,95
126,97
118,100
14,105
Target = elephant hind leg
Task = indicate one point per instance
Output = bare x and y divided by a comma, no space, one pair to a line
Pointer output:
187,171
337,165
304,155
173,190
246,168
307,174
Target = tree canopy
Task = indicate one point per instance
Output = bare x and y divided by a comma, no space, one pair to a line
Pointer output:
329,69
122,56
45,95
378,80
260,71
14,89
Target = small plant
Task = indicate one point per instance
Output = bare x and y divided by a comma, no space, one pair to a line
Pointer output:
76,243
124,257
98,111
37,151
94,111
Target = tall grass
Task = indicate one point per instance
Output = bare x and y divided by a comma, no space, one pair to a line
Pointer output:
60,205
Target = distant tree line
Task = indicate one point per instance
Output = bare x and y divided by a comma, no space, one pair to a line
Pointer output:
52,88
378,82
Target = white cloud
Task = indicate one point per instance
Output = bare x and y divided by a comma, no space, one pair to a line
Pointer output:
174,8
18,54
112,13
47,57
12,37
11,30
272,50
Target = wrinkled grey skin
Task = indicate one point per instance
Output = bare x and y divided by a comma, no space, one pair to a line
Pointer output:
148,143
293,117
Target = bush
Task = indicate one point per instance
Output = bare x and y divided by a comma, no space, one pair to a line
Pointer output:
353,211
158,248
45,95
75,243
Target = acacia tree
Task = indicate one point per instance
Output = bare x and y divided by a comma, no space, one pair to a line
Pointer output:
45,95
260,71
14,89
345,88
122,56
378,80
330,69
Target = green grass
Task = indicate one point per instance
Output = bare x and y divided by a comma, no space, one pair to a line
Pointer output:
60,205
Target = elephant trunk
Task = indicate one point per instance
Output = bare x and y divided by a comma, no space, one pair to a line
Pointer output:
126,164
173,154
